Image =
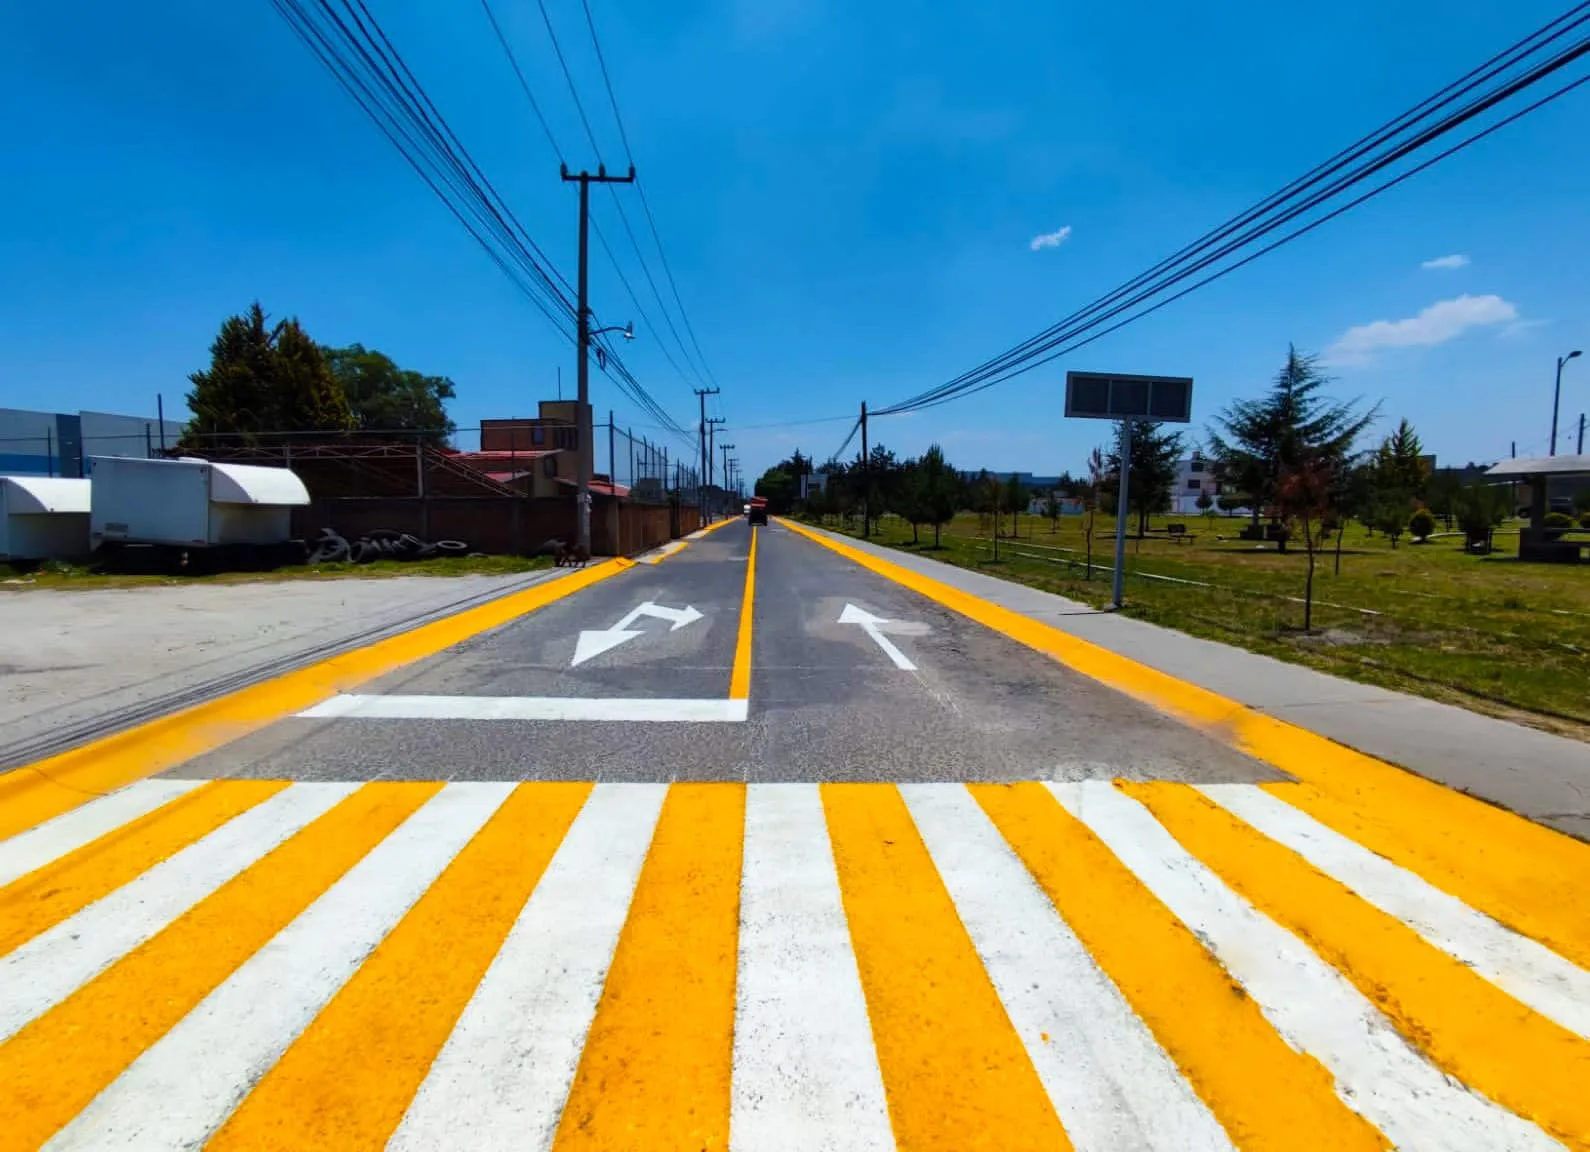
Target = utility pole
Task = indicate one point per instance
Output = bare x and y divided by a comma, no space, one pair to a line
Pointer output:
582,321
1580,449
866,475
702,394
712,423
725,448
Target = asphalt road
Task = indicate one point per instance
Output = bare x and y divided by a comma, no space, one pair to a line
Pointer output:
827,701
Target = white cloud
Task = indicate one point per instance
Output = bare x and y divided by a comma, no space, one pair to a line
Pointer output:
1445,263
1051,239
1440,322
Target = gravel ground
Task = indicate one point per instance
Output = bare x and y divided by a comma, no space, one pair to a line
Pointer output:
75,664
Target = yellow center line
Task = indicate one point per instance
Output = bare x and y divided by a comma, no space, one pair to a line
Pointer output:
740,679
44,789
954,1069
1266,1094
655,1072
1466,1025
42,899
347,1080
57,1064
1531,878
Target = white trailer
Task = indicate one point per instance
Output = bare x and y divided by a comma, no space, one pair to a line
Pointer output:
43,517
190,503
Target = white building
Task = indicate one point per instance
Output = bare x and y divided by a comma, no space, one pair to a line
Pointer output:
57,443
1194,477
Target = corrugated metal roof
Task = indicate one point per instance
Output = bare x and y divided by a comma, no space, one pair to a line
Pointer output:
33,495
252,484
1542,466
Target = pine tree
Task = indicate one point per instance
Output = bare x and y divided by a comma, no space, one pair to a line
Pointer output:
1400,465
1153,473
263,382
1295,425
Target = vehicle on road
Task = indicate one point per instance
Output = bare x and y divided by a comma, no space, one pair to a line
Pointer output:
756,510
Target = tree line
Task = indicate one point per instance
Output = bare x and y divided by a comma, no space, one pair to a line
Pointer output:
269,382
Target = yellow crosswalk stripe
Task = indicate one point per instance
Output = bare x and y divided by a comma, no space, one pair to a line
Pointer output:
53,1067
1469,1027
42,899
657,1063
954,1070
346,1082
1529,877
1265,1093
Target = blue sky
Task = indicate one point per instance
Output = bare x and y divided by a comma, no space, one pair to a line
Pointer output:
848,194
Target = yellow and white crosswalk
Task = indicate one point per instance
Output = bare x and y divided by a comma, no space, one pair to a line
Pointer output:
1091,965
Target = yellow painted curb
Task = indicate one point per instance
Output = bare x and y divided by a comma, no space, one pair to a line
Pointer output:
36,792
1532,878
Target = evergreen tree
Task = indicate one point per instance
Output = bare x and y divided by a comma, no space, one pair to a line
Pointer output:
1257,441
940,490
1399,464
1153,474
263,382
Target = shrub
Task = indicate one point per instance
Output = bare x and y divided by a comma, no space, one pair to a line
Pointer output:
1421,524
1584,521
1557,521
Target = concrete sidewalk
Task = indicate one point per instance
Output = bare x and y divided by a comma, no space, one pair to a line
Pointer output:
1533,773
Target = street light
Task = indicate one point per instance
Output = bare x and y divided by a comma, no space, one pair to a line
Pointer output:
1556,396
626,330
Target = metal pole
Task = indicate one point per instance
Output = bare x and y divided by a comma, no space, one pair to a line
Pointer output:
160,416
630,434
866,474
1580,449
1120,514
1556,397
612,453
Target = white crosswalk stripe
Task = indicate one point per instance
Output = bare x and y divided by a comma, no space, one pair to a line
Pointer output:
805,1070
1533,974
1307,1000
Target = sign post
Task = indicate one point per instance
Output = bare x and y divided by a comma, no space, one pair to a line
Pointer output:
1127,400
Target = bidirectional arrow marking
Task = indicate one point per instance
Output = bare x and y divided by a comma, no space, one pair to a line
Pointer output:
594,642
871,625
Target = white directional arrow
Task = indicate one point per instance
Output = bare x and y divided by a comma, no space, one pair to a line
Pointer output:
594,643
871,625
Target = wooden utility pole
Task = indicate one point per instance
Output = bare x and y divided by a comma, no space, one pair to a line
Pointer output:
582,319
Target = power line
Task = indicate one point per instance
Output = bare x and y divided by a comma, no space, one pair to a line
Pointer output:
651,220
365,64
1025,356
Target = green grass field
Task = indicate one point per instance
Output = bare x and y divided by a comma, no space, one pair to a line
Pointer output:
55,574
1485,632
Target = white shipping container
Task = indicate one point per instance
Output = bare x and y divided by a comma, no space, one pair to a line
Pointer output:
191,503
43,518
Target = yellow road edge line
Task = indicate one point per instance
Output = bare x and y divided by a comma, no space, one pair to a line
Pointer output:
740,678
1266,1094
53,1067
327,1091
1532,878
1466,1026
656,1068
35,903
34,793
955,1072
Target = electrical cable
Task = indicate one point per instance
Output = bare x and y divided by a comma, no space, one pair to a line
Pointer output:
1008,364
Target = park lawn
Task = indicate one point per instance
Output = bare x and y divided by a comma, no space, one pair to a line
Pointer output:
84,576
1487,633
